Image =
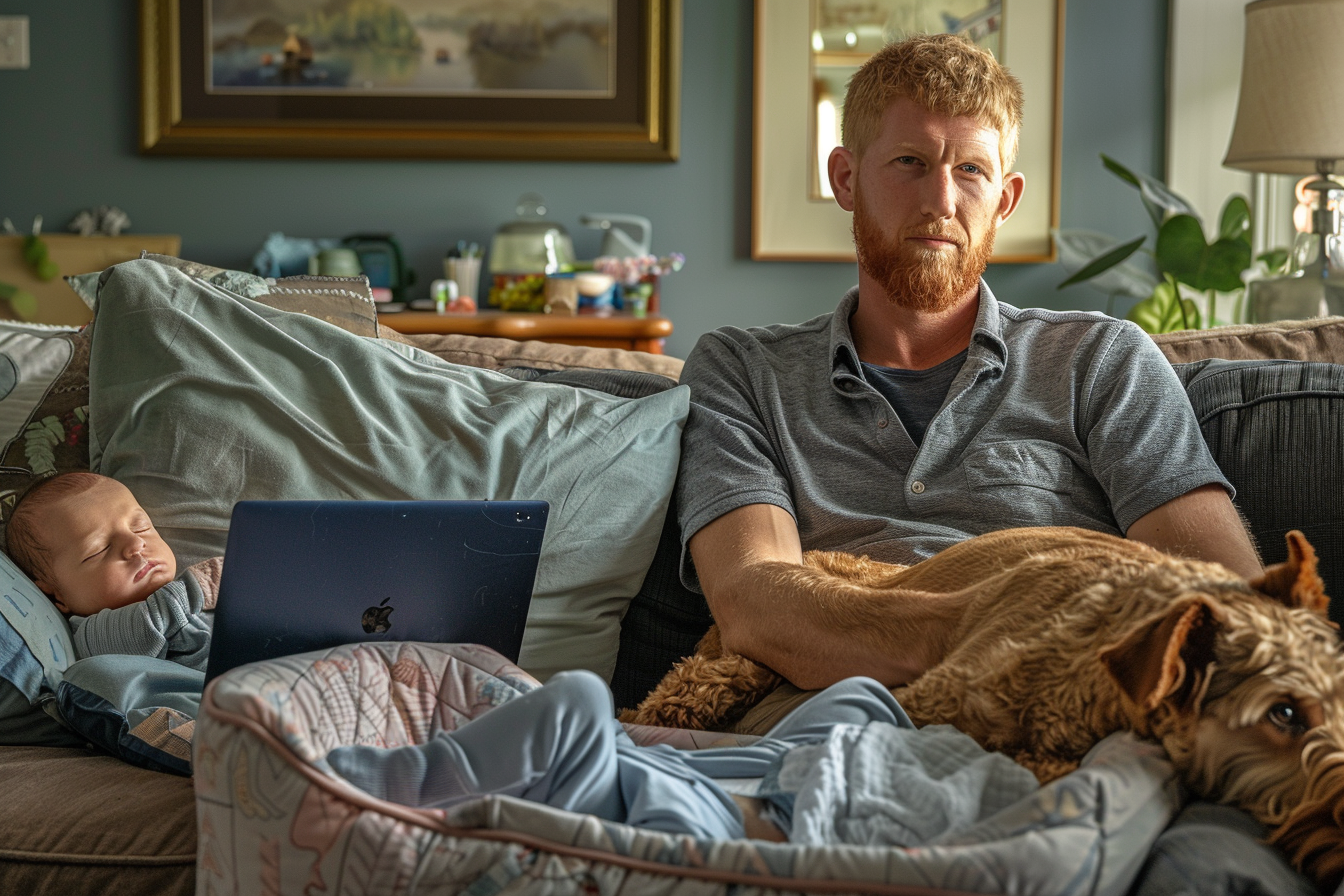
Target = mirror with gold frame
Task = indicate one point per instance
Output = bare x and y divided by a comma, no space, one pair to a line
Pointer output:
806,51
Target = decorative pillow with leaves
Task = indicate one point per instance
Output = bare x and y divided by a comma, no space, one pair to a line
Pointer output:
44,407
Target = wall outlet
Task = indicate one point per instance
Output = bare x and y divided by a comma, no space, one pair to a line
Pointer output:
13,41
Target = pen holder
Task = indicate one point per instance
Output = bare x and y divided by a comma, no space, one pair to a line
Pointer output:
466,273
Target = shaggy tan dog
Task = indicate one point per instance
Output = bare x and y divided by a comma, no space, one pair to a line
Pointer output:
1072,635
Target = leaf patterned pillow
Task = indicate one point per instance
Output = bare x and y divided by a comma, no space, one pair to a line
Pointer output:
44,407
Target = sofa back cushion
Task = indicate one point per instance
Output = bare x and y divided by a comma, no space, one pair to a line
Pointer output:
1317,339
1276,429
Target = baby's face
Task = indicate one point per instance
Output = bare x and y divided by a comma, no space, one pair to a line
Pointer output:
103,551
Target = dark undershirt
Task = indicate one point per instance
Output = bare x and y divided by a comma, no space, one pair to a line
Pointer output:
915,395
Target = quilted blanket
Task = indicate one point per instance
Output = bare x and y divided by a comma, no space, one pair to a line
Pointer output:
273,818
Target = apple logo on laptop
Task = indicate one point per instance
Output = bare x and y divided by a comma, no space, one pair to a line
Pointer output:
375,620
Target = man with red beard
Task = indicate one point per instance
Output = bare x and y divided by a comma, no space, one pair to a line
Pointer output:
923,410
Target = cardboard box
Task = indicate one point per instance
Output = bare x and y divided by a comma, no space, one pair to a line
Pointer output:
56,301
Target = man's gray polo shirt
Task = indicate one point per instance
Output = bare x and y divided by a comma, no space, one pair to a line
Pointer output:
1055,419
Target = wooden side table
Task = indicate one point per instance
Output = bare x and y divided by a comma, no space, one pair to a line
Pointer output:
643,334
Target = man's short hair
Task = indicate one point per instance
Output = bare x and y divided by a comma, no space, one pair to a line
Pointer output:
23,541
944,73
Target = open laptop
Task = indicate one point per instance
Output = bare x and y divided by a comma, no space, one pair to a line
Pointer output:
310,575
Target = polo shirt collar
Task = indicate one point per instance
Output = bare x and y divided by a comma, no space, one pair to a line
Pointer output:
986,337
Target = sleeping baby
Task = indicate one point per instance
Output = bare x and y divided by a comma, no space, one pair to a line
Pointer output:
89,546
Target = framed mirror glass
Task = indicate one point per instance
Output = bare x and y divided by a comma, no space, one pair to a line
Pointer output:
806,51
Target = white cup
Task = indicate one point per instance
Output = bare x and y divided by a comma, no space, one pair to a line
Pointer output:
466,273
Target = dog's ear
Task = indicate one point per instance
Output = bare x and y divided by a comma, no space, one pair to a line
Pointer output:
1166,657
1295,582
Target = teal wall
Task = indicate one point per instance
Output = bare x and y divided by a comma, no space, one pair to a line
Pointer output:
68,141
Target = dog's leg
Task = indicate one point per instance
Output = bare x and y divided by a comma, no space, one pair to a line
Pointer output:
704,693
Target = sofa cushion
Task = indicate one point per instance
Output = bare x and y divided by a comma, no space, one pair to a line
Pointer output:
1213,850
201,398
493,353
93,824
663,624
1276,429
1320,339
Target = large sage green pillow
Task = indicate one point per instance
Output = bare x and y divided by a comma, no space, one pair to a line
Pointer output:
200,398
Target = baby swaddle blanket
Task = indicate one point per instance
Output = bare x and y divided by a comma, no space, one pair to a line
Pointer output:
880,785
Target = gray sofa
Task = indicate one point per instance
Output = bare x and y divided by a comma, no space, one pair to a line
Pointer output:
1273,413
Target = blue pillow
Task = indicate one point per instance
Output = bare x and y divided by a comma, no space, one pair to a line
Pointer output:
35,650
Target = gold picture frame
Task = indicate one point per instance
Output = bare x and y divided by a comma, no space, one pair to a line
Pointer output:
639,121
790,223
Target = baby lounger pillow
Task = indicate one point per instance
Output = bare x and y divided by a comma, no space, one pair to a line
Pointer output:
273,817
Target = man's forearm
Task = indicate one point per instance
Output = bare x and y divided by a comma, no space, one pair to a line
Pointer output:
816,628
812,626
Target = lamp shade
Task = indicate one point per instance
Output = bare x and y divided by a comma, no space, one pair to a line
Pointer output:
1290,112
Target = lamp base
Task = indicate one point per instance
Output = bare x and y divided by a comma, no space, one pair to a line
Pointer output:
1293,298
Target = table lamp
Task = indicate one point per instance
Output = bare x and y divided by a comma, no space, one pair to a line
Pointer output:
1290,120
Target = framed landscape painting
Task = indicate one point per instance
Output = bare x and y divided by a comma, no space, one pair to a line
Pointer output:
508,79
806,51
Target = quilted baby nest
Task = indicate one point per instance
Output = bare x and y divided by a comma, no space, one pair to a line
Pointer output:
274,818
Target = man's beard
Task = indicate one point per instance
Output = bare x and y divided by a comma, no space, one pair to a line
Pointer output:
919,279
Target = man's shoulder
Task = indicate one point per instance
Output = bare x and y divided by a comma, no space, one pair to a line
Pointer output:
1073,328
1066,319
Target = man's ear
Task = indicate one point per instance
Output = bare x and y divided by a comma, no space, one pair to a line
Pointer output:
1295,582
1013,186
843,169
1166,657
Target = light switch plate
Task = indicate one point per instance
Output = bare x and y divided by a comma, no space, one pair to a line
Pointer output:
13,41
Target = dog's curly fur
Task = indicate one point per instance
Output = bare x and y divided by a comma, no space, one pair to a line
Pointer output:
1313,835
1072,635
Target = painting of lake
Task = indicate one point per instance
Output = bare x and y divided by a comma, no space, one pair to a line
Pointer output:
516,48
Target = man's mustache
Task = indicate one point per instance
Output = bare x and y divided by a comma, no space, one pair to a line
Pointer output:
955,237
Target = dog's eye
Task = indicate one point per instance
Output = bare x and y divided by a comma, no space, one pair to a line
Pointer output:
1286,717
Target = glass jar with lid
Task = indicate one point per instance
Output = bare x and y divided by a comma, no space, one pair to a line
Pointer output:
530,244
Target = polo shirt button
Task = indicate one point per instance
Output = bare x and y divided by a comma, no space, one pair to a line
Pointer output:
917,487
882,424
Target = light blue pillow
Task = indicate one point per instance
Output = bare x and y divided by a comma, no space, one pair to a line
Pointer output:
200,398
35,651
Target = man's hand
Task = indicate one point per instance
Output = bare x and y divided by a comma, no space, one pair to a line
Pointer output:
1200,525
810,626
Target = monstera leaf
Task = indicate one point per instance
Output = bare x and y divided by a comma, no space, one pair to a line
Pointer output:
1183,253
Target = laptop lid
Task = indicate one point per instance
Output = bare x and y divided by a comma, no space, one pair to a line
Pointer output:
311,575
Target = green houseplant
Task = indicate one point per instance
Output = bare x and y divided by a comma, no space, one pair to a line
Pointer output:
1186,261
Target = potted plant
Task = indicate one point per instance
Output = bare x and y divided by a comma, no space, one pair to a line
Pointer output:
1189,265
